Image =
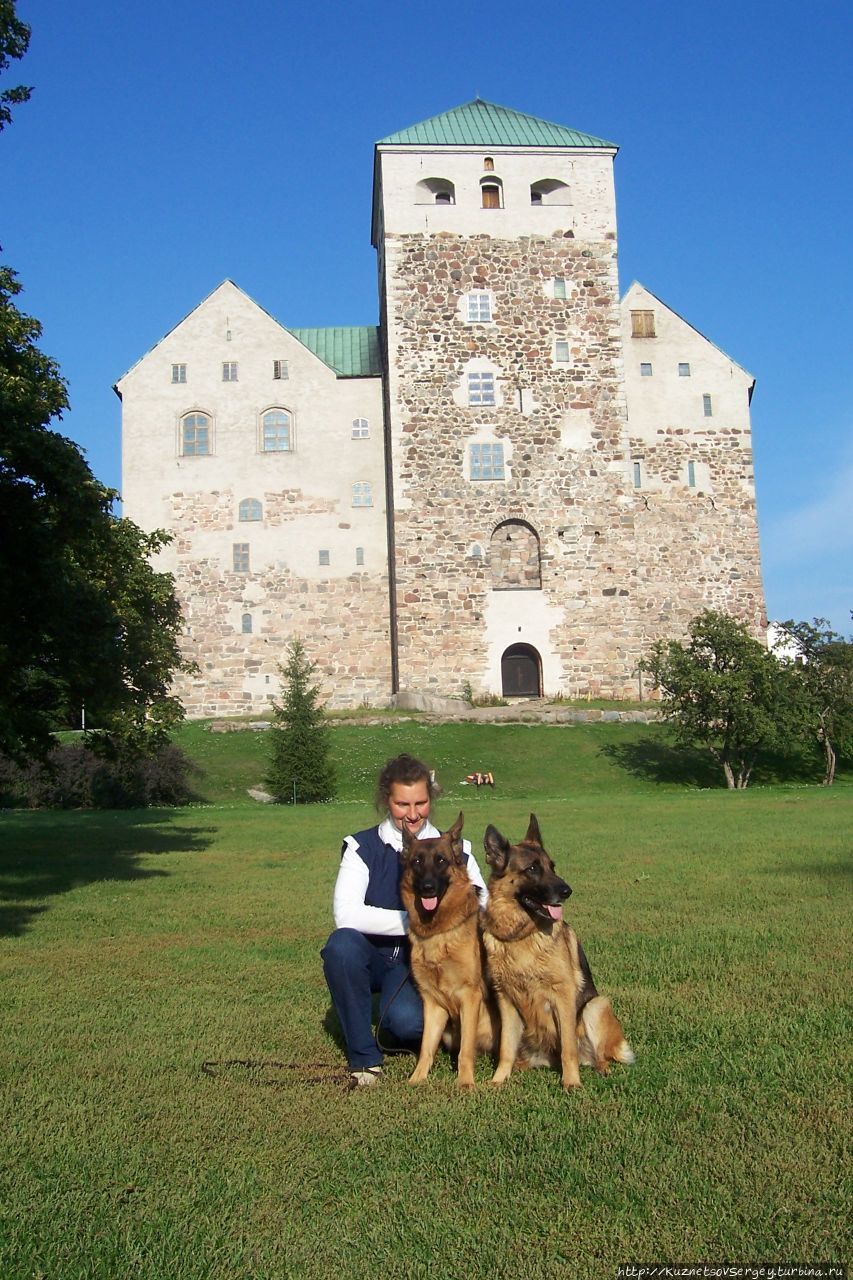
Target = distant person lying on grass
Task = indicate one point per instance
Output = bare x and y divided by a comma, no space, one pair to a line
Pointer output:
481,779
369,950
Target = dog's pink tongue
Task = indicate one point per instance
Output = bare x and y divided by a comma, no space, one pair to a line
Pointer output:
556,913
429,904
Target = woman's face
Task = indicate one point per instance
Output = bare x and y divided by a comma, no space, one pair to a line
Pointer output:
409,805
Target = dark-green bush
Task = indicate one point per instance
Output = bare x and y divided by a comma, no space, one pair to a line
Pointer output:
75,777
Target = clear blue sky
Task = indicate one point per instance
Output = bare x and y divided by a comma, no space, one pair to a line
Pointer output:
170,145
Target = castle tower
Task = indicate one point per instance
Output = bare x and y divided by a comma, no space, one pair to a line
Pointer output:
509,512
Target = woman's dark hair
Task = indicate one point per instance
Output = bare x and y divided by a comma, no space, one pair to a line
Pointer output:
407,770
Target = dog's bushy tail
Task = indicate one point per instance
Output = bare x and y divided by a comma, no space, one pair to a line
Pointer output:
600,1036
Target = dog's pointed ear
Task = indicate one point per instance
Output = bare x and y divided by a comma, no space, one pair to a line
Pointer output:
534,835
497,850
455,834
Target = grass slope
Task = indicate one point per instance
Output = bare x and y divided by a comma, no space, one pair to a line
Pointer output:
136,947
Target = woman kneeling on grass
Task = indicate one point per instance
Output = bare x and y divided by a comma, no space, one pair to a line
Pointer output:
369,950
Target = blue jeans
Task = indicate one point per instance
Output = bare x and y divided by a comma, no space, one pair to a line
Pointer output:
355,967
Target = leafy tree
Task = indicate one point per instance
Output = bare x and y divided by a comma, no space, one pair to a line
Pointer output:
725,691
14,42
84,618
824,666
300,769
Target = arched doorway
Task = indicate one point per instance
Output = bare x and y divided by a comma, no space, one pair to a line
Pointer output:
521,672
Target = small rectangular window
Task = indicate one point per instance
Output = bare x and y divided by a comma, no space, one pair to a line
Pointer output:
229,371
691,474
179,373
638,475
481,388
360,429
642,324
479,307
359,555
706,406
279,369
645,370
561,352
559,287
487,461
241,557
362,494
324,557
684,371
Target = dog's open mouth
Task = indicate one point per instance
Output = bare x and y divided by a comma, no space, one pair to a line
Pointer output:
544,910
428,904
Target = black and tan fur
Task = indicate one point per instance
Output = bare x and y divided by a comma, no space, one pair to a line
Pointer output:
446,951
550,1010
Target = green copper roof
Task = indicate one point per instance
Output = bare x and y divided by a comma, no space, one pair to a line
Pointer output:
353,352
483,124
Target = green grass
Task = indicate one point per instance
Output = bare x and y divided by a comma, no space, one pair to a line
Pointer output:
136,947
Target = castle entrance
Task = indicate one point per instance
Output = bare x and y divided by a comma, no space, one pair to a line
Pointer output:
521,672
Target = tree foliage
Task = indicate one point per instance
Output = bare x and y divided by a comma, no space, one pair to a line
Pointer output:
14,42
722,689
300,769
84,617
824,668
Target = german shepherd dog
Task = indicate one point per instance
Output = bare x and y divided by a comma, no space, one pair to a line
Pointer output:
446,951
551,1013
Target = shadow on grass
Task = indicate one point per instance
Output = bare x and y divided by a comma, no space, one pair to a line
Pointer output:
48,853
652,760
656,760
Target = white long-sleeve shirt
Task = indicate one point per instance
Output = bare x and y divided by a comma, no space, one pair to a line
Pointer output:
348,904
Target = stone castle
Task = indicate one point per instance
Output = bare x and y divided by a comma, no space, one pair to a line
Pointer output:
514,483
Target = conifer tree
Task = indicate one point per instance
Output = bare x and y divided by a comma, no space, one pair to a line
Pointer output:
300,770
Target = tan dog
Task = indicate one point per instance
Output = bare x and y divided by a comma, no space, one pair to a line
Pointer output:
550,1011
446,951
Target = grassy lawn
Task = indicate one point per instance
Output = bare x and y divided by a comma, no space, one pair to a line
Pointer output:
137,947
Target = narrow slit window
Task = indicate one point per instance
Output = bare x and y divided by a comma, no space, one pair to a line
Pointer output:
246,624
691,474
706,406
638,475
359,555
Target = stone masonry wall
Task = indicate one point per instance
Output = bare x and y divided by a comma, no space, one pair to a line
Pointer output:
619,566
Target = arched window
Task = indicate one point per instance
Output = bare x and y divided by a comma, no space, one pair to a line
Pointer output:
246,624
360,429
488,164
492,192
435,191
195,435
276,434
550,191
362,494
514,557
250,509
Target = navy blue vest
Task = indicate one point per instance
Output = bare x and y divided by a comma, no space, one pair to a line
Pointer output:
384,870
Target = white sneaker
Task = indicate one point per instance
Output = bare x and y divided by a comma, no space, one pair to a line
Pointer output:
366,1078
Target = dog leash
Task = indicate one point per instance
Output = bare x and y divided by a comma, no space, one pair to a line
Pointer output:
379,1045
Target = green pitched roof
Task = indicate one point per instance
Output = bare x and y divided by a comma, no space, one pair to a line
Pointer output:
352,352
483,124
